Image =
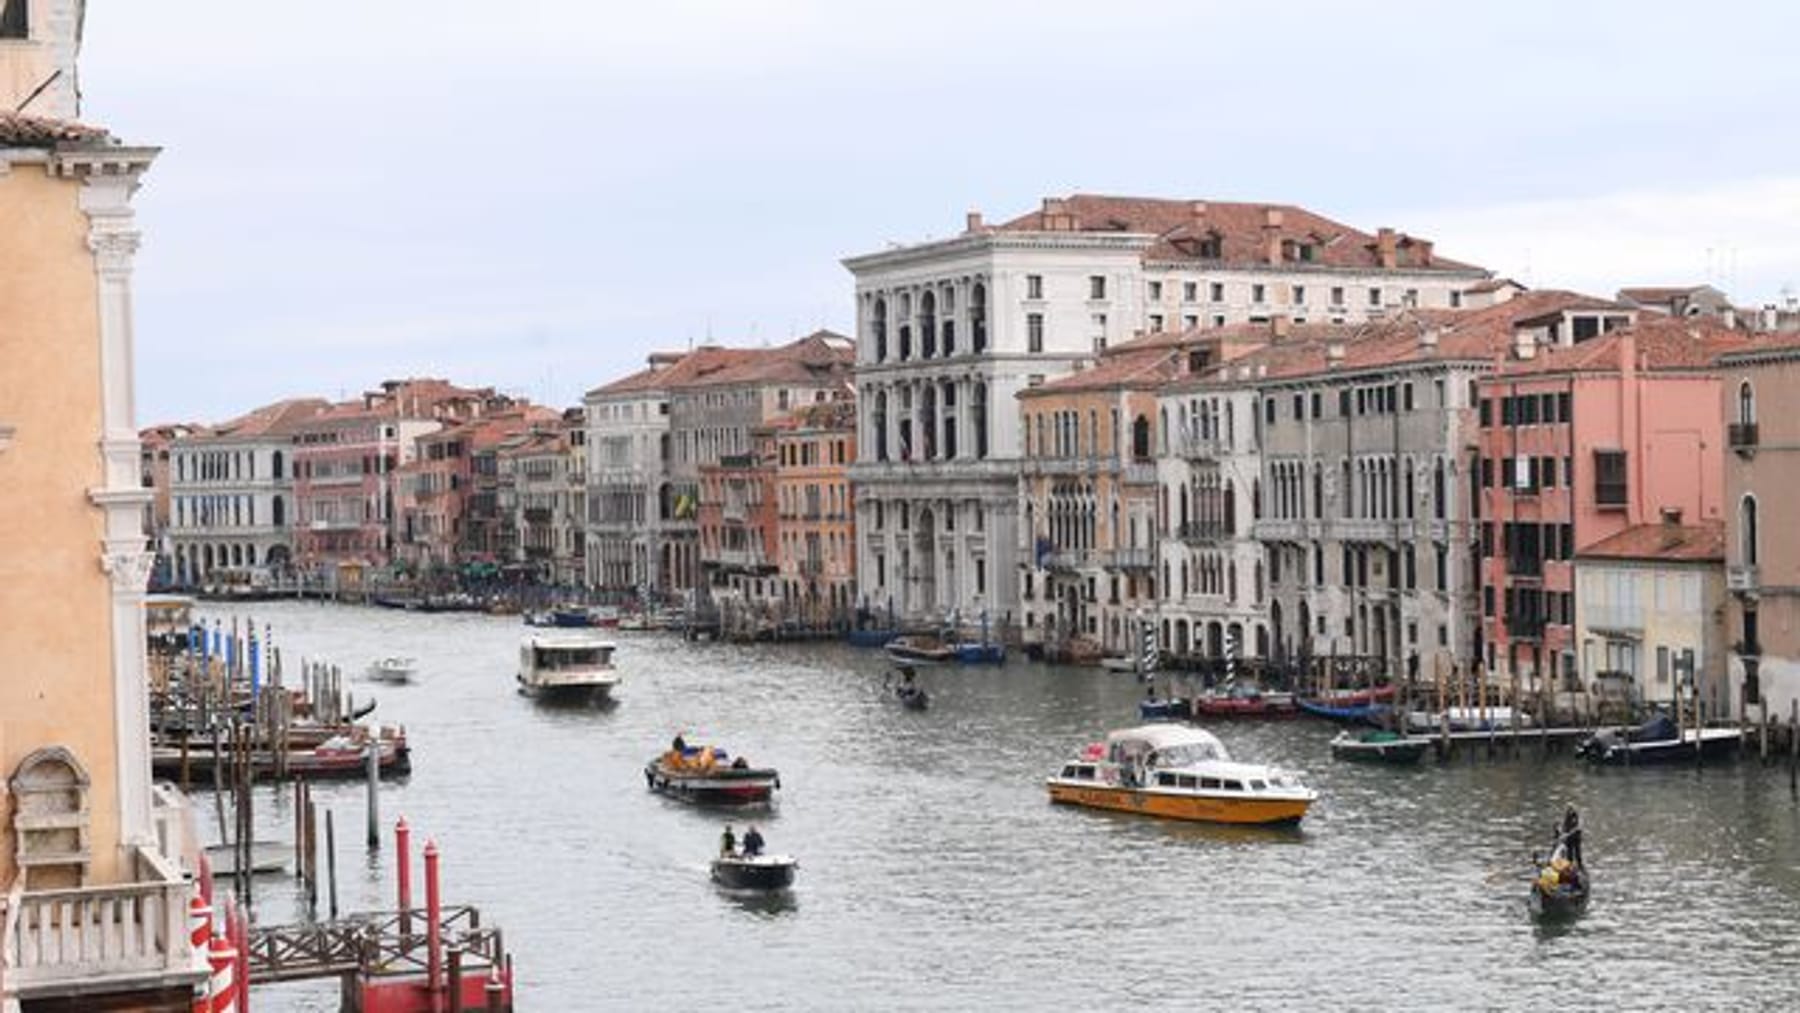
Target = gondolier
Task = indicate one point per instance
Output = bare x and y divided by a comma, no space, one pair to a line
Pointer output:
1571,835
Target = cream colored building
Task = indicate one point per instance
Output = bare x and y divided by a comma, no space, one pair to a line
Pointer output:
84,838
1650,615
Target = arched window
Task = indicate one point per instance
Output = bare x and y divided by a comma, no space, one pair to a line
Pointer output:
1140,438
1747,530
878,422
978,317
1746,404
275,464
278,511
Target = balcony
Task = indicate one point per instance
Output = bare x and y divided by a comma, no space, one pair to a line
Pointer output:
1069,466
1352,529
1285,530
1525,627
1195,533
1067,559
1742,437
91,941
1197,449
1130,559
1529,567
1140,473
1742,579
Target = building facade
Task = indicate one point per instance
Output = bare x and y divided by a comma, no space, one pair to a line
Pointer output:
1758,388
629,497
1579,442
548,466
232,496
1650,621
816,512
86,839
950,332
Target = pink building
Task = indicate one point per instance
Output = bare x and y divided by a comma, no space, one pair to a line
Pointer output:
347,464
1578,443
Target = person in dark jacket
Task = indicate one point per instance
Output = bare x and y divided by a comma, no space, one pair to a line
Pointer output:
728,842
1571,835
753,843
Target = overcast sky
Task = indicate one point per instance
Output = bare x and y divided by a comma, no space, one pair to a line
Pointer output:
534,194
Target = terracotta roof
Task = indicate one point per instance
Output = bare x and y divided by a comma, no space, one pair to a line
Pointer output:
1143,370
282,418
1241,229
1493,285
817,358
1781,346
1657,342
20,131
1671,543
1658,293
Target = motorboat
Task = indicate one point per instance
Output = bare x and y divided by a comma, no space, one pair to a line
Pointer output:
393,669
708,775
920,651
1467,719
1164,708
1658,740
979,652
1178,772
566,665
754,872
1245,701
1378,747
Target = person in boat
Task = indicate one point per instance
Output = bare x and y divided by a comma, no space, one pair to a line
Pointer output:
728,842
740,764
753,843
679,745
1571,835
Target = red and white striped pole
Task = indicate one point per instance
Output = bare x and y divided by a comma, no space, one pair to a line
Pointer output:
434,955
204,865
223,959
200,938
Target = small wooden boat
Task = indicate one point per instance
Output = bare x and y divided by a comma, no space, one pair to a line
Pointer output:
339,758
707,775
980,653
265,857
1173,708
1246,702
1353,714
920,651
1559,890
754,872
1378,747
1116,664
394,669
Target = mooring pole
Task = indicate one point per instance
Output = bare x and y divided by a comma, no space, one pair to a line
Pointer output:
403,858
434,954
374,773
331,862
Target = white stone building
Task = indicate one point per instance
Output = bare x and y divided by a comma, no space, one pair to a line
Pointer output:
627,489
231,496
951,330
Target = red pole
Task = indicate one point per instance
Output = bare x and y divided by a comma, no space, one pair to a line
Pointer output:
242,942
434,957
205,876
403,855
200,937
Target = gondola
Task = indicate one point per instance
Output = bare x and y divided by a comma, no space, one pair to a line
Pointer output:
1173,708
1553,896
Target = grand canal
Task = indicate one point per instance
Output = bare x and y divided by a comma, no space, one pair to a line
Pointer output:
936,876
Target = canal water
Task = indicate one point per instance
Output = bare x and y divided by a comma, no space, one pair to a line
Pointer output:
935,875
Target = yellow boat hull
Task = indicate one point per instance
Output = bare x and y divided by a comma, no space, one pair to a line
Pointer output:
1174,806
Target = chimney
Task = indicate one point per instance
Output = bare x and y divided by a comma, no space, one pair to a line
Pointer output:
972,223
1056,215
1422,248
1671,527
1334,355
1280,326
1387,249
1428,338
1524,344
1272,235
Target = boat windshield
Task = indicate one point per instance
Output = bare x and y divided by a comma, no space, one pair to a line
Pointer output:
550,659
1187,754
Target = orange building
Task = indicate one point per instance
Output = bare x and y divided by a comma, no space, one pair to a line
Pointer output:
815,516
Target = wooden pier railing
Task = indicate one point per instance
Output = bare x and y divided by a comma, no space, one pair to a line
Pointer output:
386,943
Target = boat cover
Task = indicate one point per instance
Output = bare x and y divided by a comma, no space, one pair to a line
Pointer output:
1658,729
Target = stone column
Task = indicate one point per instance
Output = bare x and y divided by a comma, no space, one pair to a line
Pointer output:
109,180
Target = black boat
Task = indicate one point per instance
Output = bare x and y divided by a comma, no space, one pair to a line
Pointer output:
913,698
754,872
707,776
1659,741
1559,891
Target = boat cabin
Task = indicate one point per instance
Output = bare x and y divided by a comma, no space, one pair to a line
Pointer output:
551,654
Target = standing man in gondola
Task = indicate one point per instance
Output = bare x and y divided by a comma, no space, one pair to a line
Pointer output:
727,843
1571,835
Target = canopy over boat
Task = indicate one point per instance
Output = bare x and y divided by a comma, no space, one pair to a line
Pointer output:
1172,745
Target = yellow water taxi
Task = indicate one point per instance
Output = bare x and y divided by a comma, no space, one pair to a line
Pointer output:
1181,773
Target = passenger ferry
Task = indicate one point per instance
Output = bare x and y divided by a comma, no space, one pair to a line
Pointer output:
567,665
1178,772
